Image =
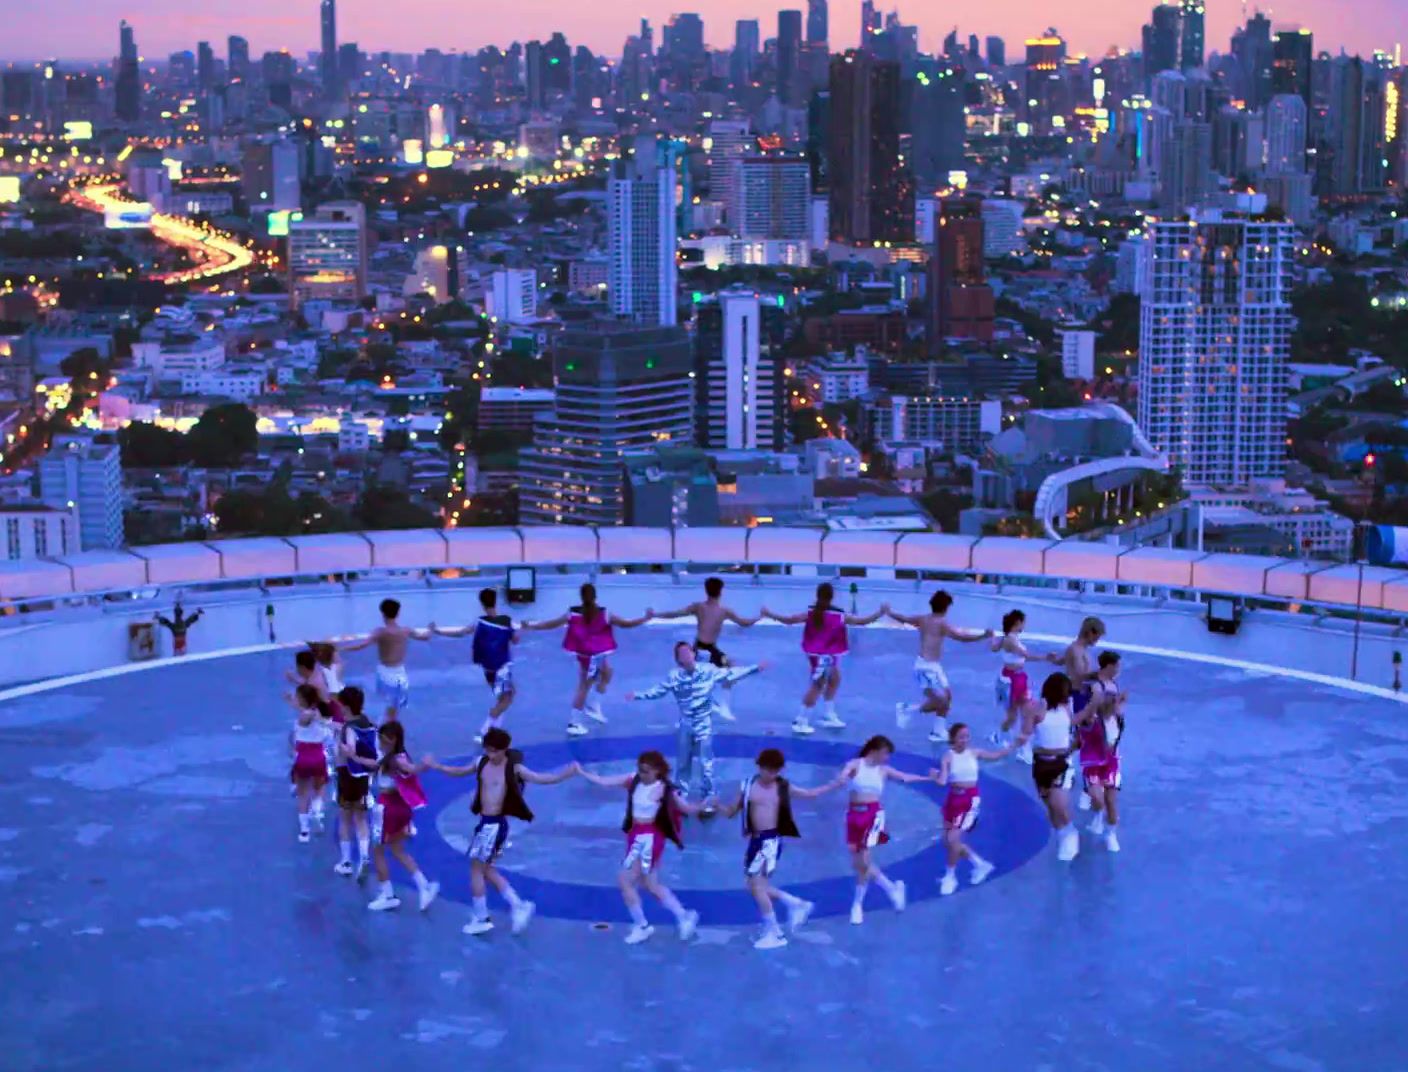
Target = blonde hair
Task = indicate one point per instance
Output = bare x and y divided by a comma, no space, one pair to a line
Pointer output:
1092,625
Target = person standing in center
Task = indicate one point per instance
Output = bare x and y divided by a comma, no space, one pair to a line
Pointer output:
591,639
824,641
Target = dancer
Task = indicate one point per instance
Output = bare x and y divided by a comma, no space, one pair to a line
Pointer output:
399,803
959,771
310,766
330,663
766,802
709,615
824,641
867,774
590,638
498,797
693,685
1076,661
179,625
653,813
928,664
392,683
1013,685
357,739
1048,723
1100,728
492,650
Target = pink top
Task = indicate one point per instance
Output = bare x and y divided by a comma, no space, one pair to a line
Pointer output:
828,638
589,638
408,785
1096,748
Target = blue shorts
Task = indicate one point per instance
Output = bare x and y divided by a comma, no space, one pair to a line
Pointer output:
500,680
393,686
764,851
488,840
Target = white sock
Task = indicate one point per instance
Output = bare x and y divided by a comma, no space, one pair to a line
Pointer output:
975,860
364,846
637,914
770,922
594,702
481,908
806,715
346,847
387,890
577,714
790,900
830,708
884,883
303,822
949,872
318,807
422,883
861,887
488,725
511,896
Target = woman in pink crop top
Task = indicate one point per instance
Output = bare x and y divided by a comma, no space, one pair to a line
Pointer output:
591,639
824,641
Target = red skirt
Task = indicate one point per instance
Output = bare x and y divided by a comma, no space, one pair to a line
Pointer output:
961,808
865,826
395,818
310,764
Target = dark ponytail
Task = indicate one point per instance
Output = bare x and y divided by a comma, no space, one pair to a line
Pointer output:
589,607
824,593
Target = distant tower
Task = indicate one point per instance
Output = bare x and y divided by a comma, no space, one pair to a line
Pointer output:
328,58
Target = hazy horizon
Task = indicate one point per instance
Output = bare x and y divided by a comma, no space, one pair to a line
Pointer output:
86,30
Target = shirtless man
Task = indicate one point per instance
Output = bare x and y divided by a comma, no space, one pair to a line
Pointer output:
1078,663
392,684
497,798
928,666
710,614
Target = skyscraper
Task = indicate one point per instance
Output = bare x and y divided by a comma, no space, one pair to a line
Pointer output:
640,198
789,43
128,80
871,193
1253,51
996,52
237,62
327,58
770,197
205,66
1292,56
1191,41
937,124
961,303
534,85
1161,40
621,388
816,22
1214,340
869,24
84,473
1285,134
745,51
739,389
327,254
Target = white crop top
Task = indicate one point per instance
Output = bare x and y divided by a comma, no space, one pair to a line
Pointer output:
1053,733
1112,731
962,768
313,733
645,801
868,779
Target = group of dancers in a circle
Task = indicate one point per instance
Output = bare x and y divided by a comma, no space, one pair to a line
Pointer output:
1078,712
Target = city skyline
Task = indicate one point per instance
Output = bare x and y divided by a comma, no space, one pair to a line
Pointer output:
86,31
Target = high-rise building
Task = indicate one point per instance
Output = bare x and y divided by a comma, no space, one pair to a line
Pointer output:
1252,49
1214,340
1285,134
1185,165
745,51
512,295
557,65
205,66
1077,352
621,389
84,473
237,58
349,63
871,193
127,79
789,45
937,124
1046,96
1191,38
327,58
739,385
771,197
534,83
961,303
327,254
869,24
269,177
996,52
1162,35
641,237
277,69
729,141
1354,148
1292,58
816,22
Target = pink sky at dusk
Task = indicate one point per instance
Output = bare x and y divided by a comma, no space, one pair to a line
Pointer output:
88,28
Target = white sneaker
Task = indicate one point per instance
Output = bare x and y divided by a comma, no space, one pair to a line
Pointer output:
900,897
385,902
727,715
638,934
1112,840
799,915
802,727
1097,825
519,916
938,734
576,729
318,821
304,837
902,715
411,830
771,940
344,867
995,737
857,914
688,926
1069,846
362,866
1024,754
981,872
596,715
428,893
478,738
832,721
1085,804
948,884
478,926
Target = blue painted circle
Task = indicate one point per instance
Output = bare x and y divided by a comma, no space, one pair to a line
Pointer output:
1012,829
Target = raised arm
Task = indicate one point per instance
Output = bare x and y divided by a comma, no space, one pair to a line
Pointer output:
454,772
738,619
559,775
907,619
866,619
463,630
608,781
785,619
810,794
966,636
654,692
910,779
421,634
991,754
738,673
194,618
728,811
631,623
366,641
548,623
683,612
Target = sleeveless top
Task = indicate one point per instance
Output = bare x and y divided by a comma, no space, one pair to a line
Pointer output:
963,768
492,637
589,637
408,786
1053,732
364,745
786,824
828,638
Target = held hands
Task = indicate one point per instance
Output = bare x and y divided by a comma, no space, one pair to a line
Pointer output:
764,664
630,695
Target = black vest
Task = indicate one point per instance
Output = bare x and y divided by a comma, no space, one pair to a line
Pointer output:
664,820
786,825
515,807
